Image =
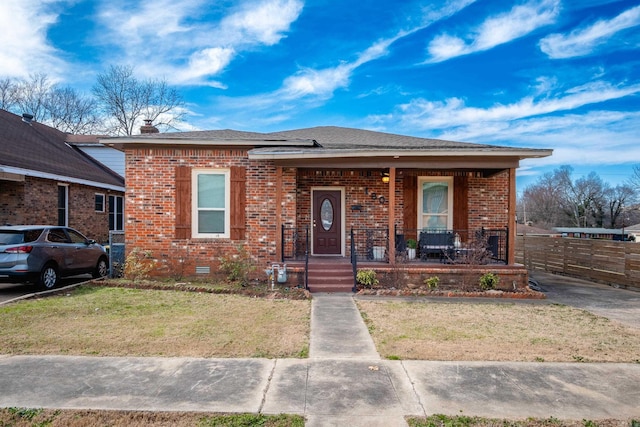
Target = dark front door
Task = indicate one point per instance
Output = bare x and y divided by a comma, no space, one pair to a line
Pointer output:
327,220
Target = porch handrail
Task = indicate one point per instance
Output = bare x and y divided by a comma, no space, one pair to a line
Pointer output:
354,263
306,259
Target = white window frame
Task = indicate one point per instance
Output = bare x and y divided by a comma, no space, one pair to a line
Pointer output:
227,203
449,181
104,201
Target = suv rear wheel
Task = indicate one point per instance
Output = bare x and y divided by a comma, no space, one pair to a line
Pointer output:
48,276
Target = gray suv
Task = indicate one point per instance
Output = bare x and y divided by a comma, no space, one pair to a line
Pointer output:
44,253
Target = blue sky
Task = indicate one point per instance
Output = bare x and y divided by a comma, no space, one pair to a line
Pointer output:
560,74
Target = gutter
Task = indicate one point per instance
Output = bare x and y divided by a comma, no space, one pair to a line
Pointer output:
45,175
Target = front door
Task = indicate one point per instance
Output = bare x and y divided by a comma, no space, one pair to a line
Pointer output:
327,222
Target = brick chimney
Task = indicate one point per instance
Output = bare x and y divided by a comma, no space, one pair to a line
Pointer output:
148,127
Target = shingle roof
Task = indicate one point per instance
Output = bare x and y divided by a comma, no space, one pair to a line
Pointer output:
39,148
333,137
329,139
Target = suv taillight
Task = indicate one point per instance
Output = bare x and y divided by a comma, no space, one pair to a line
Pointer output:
19,250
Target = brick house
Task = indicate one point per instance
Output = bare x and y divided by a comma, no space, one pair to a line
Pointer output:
330,193
46,179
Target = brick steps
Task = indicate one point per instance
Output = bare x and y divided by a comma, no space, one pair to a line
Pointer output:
330,277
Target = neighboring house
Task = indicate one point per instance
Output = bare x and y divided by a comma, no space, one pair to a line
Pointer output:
193,197
44,179
592,233
633,232
529,230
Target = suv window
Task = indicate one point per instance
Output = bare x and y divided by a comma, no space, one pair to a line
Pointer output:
57,235
10,237
76,237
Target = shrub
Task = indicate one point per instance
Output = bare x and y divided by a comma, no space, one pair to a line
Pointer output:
489,281
412,244
367,278
237,267
138,264
432,282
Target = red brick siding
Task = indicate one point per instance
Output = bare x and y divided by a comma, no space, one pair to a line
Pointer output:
489,201
35,201
150,210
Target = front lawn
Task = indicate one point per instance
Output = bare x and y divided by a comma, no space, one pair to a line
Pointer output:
106,321
497,332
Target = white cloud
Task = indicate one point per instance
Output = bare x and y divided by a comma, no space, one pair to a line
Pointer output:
168,38
549,120
24,47
494,31
262,23
583,41
424,114
308,87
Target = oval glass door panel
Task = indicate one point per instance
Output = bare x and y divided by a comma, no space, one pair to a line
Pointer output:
326,214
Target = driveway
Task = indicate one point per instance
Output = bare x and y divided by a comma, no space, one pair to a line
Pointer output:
613,303
10,290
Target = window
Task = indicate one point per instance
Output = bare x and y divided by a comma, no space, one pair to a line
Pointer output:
99,202
63,206
435,203
116,213
210,212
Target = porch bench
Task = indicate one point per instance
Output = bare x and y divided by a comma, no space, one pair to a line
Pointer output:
435,242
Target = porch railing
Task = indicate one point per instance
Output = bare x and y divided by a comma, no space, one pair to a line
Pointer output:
455,245
295,246
354,263
294,243
370,244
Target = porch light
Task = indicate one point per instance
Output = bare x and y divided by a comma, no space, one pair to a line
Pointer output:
385,177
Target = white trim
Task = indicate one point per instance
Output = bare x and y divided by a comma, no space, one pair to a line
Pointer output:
227,203
326,153
343,218
45,175
449,181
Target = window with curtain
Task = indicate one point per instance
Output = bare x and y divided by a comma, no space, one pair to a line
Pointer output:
436,199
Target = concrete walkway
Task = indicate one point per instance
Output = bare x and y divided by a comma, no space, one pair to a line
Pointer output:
344,382
333,318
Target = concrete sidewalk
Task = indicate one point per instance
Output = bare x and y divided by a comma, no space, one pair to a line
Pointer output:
326,391
344,382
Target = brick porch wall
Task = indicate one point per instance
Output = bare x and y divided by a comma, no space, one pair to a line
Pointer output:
489,201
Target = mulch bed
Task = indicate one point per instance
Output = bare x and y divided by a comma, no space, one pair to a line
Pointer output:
519,294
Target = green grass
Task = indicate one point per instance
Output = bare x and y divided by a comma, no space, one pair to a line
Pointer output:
98,321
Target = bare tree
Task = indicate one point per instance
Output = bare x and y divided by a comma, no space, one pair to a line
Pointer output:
127,101
557,200
8,93
634,181
541,202
70,112
617,199
32,94
582,199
